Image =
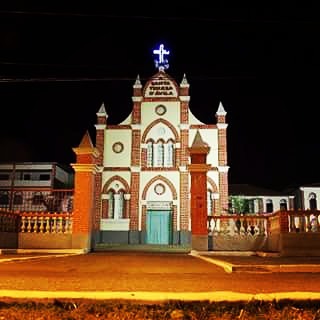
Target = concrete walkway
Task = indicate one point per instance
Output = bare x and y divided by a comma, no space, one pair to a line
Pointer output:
231,262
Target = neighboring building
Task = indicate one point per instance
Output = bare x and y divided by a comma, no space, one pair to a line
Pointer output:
143,165
307,197
36,186
245,198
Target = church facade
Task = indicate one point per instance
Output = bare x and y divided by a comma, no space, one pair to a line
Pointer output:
143,179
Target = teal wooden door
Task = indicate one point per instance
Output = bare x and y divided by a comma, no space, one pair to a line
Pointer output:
158,227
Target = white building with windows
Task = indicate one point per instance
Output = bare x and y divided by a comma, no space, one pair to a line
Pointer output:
246,198
307,197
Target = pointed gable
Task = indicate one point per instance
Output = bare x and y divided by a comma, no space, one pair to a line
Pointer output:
161,85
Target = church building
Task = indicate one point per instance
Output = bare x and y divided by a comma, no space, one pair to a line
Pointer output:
143,180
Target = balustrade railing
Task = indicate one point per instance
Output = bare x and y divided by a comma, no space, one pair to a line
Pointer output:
46,222
304,221
246,225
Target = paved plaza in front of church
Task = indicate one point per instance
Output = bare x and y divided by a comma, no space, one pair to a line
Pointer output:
158,276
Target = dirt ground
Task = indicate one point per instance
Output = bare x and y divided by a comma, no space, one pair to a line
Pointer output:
127,310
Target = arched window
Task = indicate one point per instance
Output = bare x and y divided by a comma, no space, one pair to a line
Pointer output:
169,154
312,201
150,154
160,154
283,204
111,205
115,205
269,205
118,205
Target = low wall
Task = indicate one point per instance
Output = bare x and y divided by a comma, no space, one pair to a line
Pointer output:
239,243
273,243
45,241
300,244
8,240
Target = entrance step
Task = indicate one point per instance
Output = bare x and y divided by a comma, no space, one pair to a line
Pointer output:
141,248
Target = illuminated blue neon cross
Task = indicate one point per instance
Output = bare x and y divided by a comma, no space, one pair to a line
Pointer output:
161,52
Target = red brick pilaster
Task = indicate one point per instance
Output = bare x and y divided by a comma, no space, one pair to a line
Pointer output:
134,201
144,218
199,201
135,147
136,113
184,200
222,161
174,218
184,148
84,194
224,193
284,221
184,115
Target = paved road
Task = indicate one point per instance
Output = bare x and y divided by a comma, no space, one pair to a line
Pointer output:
147,272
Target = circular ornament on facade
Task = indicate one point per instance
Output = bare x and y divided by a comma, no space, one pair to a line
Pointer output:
117,147
159,189
161,110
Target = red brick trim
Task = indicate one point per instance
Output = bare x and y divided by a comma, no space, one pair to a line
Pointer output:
117,169
143,217
213,185
114,178
165,122
118,126
160,99
159,169
165,180
203,126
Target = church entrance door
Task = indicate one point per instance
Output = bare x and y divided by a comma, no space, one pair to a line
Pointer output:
158,226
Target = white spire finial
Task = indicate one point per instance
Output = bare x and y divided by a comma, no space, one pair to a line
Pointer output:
137,83
184,83
221,111
102,111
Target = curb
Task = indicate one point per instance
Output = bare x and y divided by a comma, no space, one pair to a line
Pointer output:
151,296
259,268
54,251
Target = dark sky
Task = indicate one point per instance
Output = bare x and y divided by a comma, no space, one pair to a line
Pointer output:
58,64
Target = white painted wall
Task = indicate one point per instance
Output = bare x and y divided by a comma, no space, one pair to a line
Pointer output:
112,159
193,119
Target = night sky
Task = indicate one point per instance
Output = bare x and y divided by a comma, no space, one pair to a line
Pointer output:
58,64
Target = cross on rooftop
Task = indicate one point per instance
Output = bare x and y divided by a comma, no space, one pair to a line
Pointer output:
161,62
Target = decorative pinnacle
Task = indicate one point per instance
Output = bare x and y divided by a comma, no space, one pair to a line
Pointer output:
137,83
184,82
102,111
221,111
